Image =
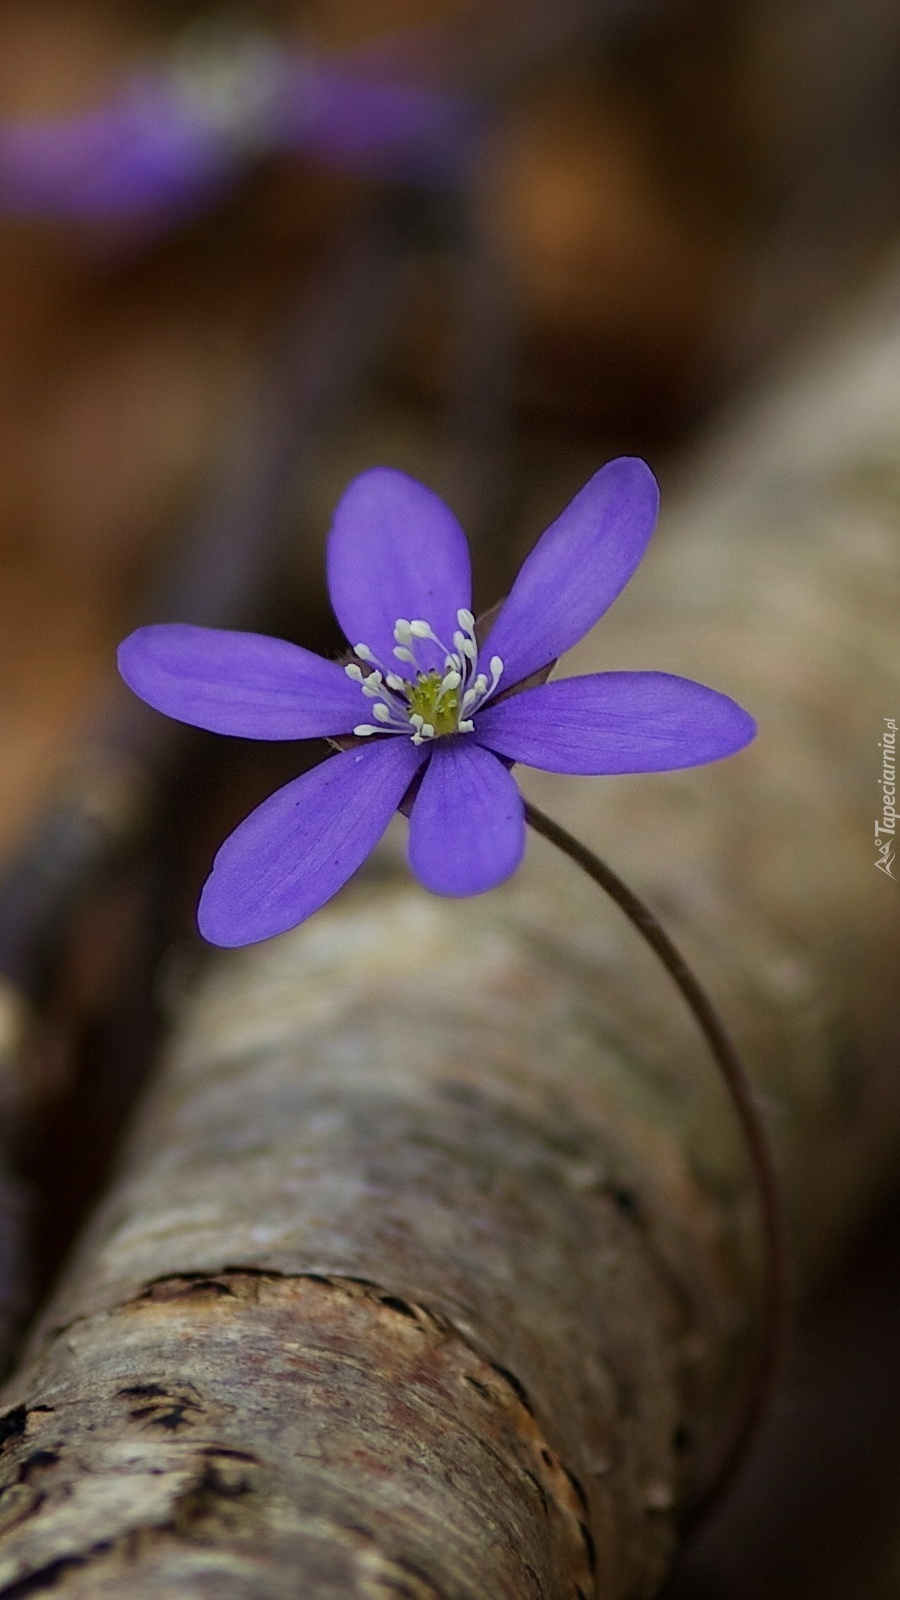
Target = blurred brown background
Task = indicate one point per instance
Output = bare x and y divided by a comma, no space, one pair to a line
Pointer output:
674,198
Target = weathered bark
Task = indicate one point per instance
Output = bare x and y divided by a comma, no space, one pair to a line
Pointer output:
433,1268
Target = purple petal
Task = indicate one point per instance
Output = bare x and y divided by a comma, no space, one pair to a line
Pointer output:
395,550
240,683
616,722
302,844
467,828
576,569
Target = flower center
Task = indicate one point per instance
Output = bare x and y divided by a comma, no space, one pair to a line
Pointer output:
434,703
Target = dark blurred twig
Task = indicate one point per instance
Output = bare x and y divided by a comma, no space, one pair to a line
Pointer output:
481,383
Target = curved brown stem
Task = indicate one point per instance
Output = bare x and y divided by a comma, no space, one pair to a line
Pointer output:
741,1092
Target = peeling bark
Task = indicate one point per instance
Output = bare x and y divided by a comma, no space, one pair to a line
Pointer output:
432,1268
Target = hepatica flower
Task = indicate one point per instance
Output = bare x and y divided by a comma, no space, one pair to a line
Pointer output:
431,719
171,138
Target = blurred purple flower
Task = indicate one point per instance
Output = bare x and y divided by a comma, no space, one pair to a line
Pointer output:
171,140
437,721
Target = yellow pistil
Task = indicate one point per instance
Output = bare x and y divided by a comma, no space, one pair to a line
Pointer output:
436,705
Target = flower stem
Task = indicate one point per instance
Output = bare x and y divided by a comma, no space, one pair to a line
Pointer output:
774,1311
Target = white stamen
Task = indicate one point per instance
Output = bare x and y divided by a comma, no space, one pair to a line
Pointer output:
363,729
460,690
363,651
354,672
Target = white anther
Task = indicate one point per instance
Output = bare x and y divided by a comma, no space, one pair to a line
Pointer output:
395,683
465,620
468,699
421,630
450,680
417,720
496,667
403,654
363,651
382,712
469,649
459,640
402,630
466,727
354,672
480,684
427,730
363,729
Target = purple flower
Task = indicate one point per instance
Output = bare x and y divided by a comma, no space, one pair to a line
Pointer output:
434,721
171,140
